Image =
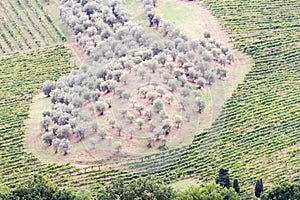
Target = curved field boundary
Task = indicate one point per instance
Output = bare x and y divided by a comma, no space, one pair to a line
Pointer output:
257,132
22,75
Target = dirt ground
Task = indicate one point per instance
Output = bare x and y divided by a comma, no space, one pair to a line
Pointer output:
82,154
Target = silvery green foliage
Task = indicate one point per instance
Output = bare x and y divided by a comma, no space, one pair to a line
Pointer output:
117,47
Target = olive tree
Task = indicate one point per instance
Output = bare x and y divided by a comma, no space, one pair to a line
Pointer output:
48,87
161,91
152,125
183,81
91,31
153,65
158,105
151,96
63,119
210,78
200,104
100,107
140,123
77,101
171,67
207,35
124,78
64,146
78,29
149,114
169,98
94,126
102,133
143,91
156,21
80,131
139,108
173,83
200,82
163,115
166,77
119,128
130,117
65,131
150,140
166,127
162,58
167,28
185,92
118,146
230,58
112,122
131,133
178,120
222,73
48,138
45,123
55,144
91,7
109,102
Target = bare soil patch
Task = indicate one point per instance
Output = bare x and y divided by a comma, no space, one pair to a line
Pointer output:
215,96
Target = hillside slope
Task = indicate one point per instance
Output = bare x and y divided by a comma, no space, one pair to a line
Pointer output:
257,133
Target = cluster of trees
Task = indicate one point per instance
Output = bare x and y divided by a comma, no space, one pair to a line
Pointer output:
141,188
155,116
76,100
42,188
209,191
224,180
154,19
135,43
283,192
150,188
117,48
144,188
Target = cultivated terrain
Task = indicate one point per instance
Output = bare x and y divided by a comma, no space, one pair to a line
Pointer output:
94,91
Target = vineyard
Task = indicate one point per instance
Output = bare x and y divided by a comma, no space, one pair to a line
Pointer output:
21,77
26,25
256,135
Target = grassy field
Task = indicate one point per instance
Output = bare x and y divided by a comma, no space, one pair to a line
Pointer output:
185,183
182,16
